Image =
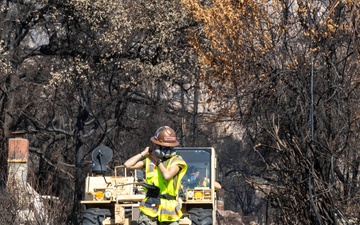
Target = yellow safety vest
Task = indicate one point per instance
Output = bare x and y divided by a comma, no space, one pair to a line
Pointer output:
169,210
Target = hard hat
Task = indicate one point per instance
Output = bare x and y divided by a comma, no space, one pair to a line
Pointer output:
165,136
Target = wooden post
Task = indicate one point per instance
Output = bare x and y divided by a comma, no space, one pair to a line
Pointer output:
17,164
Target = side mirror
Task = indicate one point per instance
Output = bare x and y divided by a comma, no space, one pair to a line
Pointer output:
101,156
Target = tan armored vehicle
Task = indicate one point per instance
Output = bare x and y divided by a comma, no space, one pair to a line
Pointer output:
114,200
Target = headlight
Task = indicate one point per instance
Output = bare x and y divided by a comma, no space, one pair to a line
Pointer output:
99,195
108,194
190,194
198,195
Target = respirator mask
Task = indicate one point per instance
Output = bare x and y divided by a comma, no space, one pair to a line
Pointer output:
164,152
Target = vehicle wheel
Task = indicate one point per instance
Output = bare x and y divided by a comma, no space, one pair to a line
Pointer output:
201,216
95,216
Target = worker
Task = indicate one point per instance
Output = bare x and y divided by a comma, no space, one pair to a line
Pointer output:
164,170
193,179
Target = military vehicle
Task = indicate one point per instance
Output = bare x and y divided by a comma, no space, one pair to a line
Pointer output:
114,199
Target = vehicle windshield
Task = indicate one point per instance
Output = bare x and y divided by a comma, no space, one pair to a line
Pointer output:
198,174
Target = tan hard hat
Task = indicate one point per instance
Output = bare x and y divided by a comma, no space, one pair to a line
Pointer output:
165,136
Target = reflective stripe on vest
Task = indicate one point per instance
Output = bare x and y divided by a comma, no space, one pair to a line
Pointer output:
149,171
149,209
169,211
151,175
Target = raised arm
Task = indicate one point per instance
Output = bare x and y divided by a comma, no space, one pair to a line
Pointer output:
136,162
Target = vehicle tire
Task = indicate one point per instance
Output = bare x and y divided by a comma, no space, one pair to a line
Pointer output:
200,216
95,216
